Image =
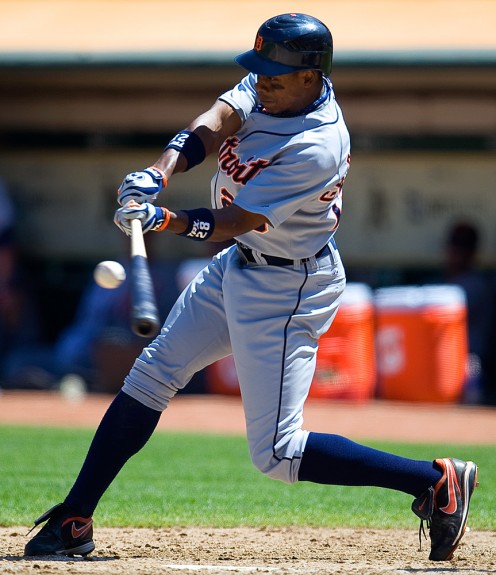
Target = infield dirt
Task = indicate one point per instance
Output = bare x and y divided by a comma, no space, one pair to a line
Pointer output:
288,551
302,551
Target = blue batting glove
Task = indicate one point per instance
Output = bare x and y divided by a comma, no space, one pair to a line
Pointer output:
152,217
141,186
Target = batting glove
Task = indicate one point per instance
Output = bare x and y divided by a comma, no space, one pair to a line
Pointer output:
152,217
141,186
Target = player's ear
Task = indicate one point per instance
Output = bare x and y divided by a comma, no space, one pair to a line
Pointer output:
309,77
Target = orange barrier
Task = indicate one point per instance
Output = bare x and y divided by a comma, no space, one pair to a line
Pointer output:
221,377
399,343
346,357
421,343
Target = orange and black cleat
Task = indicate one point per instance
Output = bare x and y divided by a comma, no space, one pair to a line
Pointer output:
444,506
64,534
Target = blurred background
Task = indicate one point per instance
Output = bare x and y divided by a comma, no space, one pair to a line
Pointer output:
92,90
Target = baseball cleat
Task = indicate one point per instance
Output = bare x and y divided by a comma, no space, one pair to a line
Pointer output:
444,506
64,534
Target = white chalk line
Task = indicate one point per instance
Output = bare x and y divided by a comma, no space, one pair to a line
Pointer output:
221,568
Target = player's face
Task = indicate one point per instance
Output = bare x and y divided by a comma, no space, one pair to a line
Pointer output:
288,92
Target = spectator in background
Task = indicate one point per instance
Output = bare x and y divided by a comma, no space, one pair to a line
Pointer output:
96,350
8,305
19,326
99,346
460,268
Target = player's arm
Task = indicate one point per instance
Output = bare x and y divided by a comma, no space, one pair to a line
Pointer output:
225,223
206,134
187,149
202,224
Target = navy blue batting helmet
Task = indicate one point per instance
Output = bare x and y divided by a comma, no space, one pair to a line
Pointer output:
289,43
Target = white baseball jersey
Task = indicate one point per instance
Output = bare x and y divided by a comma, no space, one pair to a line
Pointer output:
308,156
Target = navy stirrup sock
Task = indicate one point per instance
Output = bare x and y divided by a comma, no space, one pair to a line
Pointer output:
336,460
124,430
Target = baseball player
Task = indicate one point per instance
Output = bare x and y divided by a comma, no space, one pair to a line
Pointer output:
283,155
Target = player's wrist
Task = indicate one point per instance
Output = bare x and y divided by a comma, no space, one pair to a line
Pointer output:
159,173
200,224
163,219
190,145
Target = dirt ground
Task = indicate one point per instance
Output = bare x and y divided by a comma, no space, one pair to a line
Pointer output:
305,551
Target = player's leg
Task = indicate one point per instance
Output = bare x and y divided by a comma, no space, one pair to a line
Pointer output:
442,488
275,369
276,316
193,336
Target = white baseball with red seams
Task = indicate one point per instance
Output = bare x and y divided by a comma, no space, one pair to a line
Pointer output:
109,274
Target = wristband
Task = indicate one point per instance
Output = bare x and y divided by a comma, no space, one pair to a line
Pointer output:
201,224
166,215
190,145
162,173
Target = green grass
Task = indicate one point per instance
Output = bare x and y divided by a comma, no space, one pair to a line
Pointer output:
208,480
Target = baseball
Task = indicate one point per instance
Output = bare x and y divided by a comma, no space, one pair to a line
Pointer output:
109,274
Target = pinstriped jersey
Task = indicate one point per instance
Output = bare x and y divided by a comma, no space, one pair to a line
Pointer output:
290,169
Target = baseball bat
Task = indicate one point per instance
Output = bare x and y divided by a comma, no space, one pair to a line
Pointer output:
145,320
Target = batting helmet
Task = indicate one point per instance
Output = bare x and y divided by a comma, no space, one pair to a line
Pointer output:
288,43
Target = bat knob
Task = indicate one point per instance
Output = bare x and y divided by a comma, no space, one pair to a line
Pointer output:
145,327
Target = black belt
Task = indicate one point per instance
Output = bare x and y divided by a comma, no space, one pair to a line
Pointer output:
247,253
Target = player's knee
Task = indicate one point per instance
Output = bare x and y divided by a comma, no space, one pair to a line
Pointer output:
148,391
280,460
285,470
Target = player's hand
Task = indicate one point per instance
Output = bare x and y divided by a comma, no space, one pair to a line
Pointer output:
152,217
141,186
